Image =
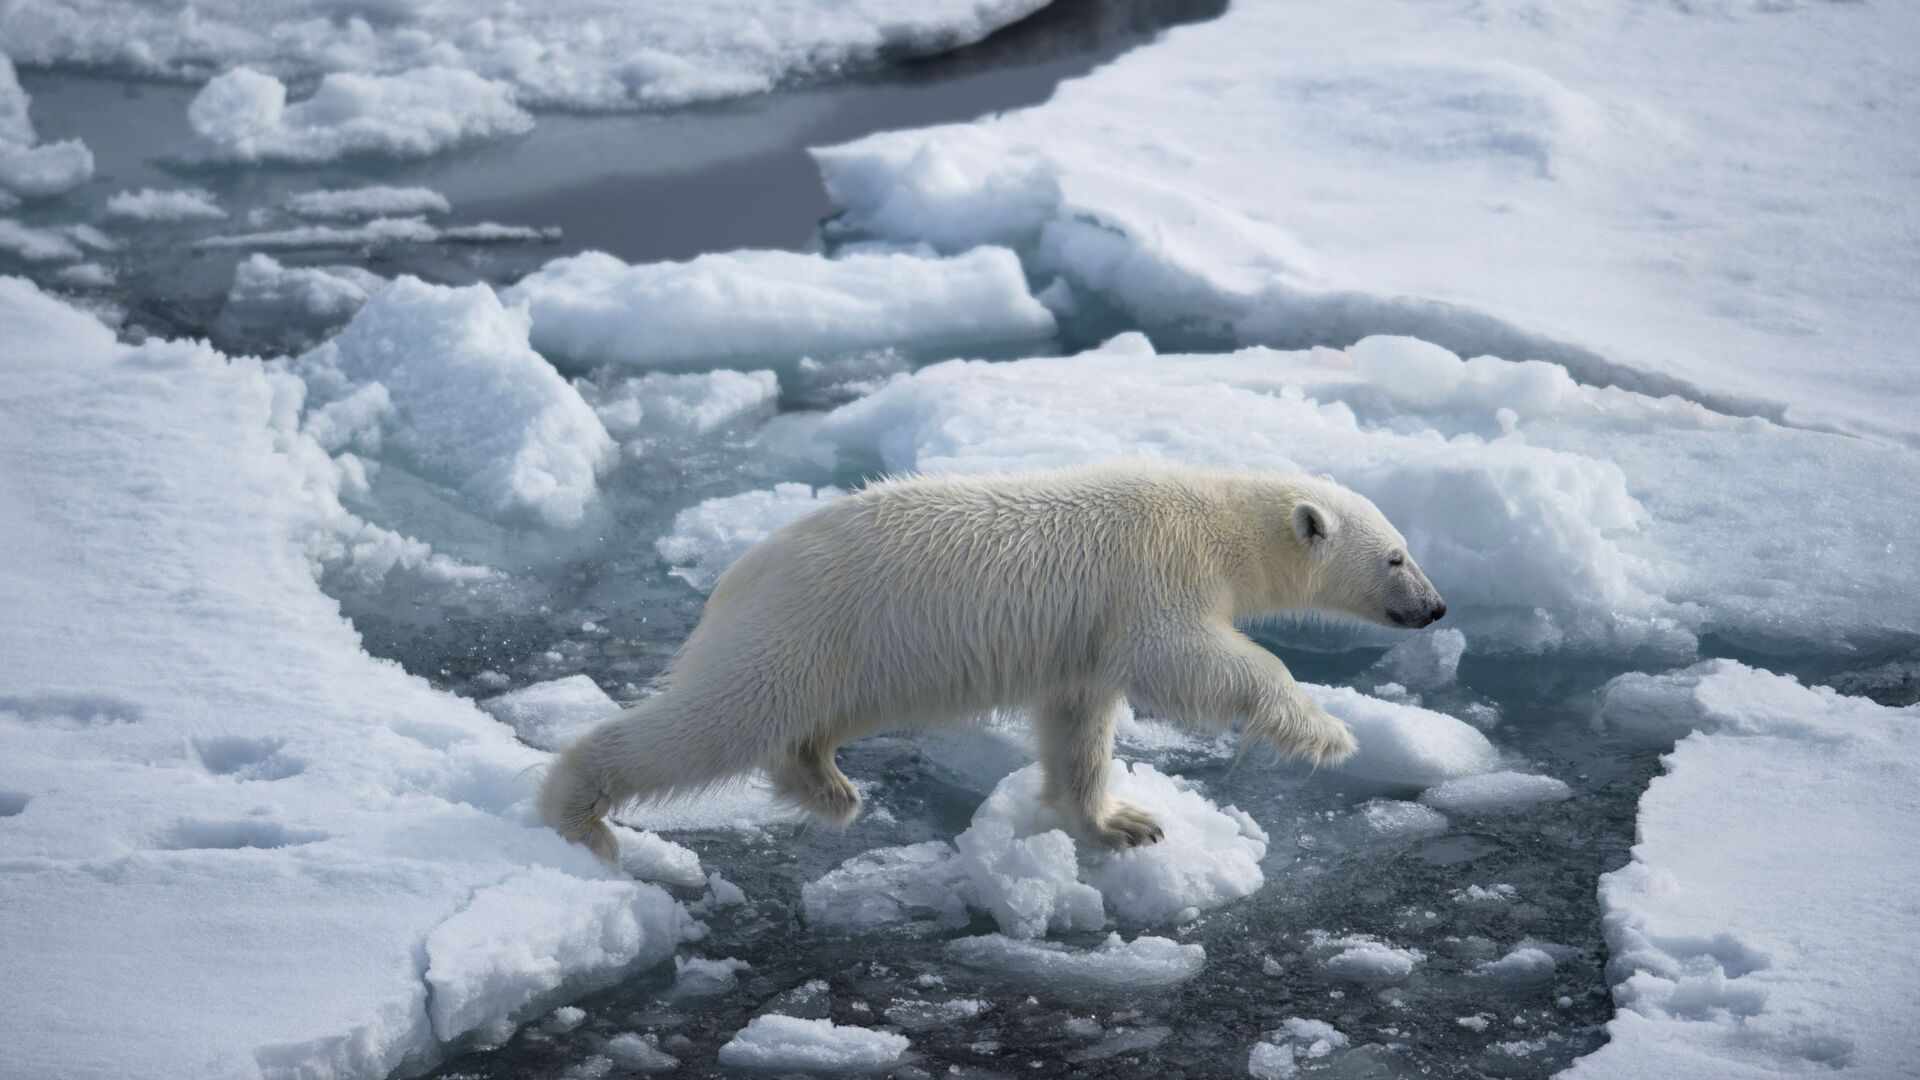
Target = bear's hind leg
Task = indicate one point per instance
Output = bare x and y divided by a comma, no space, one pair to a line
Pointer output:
1076,744
808,778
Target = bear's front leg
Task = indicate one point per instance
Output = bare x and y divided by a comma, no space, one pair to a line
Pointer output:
1076,744
1210,676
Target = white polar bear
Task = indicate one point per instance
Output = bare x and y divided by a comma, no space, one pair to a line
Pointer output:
937,598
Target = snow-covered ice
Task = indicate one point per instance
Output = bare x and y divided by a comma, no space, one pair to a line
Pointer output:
164,205
549,715
248,779
665,406
464,401
1016,863
707,538
378,233
293,306
759,307
1525,965
1700,196
1405,744
1363,958
1278,1056
778,1043
576,54
1765,923
376,200
29,171
1145,961
242,116
1494,791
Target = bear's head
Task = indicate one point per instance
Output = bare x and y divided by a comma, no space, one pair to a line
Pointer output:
1357,562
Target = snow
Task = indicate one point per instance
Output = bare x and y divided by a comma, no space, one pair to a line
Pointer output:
242,117
157,205
573,54
549,715
1362,958
649,857
242,779
695,976
1551,515
1115,963
293,305
746,308
472,406
787,1043
1615,187
707,538
1404,744
639,1053
1495,791
1278,1056
1764,924
1016,863
36,245
380,232
377,200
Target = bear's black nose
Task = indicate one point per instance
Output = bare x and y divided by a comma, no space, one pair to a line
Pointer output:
1439,611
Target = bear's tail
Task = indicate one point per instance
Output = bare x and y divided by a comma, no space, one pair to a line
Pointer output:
574,804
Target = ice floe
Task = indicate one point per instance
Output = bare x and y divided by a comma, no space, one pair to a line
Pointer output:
1145,961
1494,791
707,538
29,171
378,233
378,200
778,1043
762,307
549,715
468,403
277,793
165,205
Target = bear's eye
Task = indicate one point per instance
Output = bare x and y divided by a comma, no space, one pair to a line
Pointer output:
1397,559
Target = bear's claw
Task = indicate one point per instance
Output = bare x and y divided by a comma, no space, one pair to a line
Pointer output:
1128,826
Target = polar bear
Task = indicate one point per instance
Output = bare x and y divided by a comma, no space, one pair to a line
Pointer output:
929,599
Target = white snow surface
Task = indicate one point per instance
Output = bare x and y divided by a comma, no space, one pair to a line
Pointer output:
242,117
664,406
163,205
242,779
1495,791
469,403
549,715
1668,196
1551,515
1017,863
1404,744
707,538
577,54
790,1044
1765,925
750,307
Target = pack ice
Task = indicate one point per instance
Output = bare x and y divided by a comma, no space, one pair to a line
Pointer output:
261,851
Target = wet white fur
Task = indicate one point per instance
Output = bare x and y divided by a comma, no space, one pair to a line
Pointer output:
932,599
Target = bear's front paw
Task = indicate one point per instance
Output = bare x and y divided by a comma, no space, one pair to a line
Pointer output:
1127,826
1327,742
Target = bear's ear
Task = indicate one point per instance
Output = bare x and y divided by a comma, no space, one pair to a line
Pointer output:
1313,525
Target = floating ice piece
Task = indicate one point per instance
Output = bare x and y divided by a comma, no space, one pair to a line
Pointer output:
381,232
1397,819
565,1018
696,976
1144,961
1364,959
707,538
918,888
375,201
293,305
28,171
755,307
1278,1056
242,116
36,245
639,1053
662,405
570,54
787,1043
86,276
1405,744
1495,791
1426,661
919,1016
1524,966
1744,936
1016,863
157,205
650,857
1720,695
549,715
474,406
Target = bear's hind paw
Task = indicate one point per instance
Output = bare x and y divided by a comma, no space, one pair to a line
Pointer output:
1128,826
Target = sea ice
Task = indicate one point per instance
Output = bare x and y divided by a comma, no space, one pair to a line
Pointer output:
775,307
707,538
28,171
472,405
1144,961
660,405
157,205
293,306
1405,744
1278,1056
1495,791
378,233
1426,661
790,1044
1363,958
242,116
375,201
1526,965
549,715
